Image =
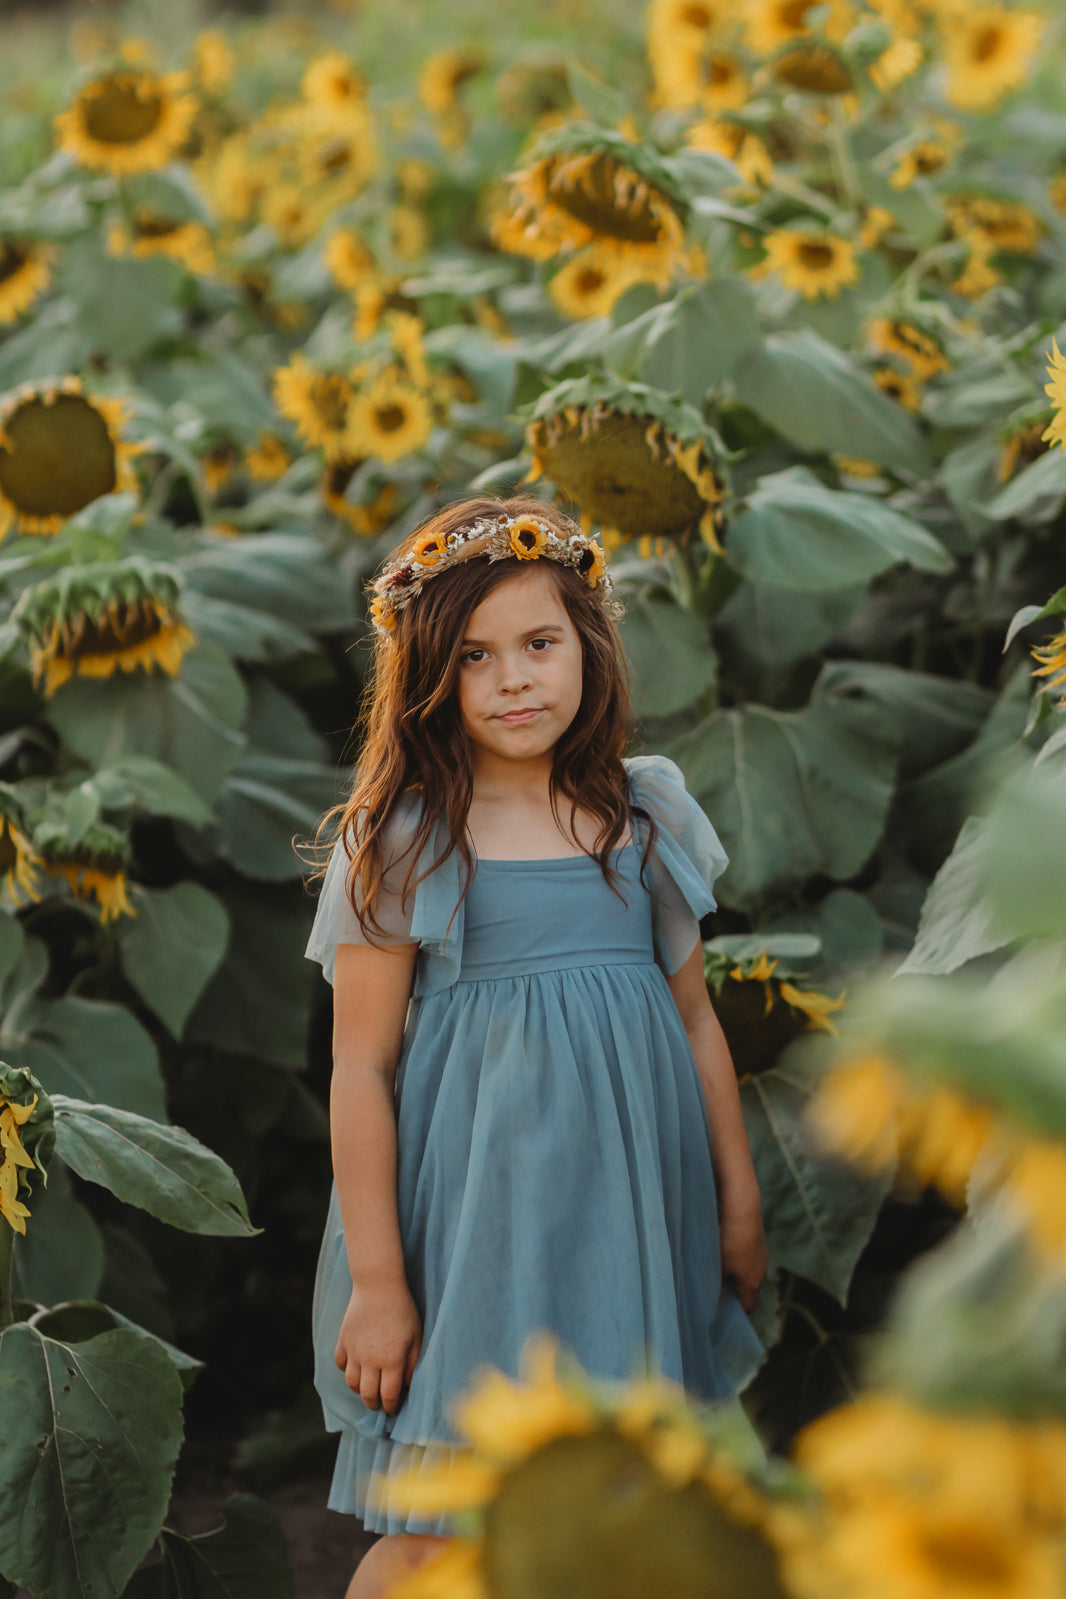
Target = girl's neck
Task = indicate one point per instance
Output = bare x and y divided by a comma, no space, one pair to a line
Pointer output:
514,782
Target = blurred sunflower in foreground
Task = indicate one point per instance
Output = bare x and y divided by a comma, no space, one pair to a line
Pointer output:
556,1468
60,449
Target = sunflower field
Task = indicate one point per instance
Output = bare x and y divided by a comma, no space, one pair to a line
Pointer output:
771,294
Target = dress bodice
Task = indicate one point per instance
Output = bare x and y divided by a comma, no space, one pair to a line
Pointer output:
524,917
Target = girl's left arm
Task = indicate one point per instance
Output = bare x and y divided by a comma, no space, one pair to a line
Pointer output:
744,1253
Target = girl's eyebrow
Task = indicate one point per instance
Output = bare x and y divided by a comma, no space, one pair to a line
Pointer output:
547,627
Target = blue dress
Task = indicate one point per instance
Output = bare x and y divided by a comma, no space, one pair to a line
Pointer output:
554,1162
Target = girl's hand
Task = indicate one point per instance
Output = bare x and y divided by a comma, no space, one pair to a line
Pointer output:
379,1343
745,1256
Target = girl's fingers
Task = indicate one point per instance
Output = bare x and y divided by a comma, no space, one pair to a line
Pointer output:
412,1360
353,1375
391,1389
370,1388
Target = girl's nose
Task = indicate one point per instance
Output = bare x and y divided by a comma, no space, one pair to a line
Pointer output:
514,676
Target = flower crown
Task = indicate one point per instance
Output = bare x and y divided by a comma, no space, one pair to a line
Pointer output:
498,537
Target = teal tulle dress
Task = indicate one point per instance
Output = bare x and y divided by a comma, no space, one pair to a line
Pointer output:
554,1161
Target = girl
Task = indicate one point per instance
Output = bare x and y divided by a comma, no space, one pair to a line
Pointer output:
528,1143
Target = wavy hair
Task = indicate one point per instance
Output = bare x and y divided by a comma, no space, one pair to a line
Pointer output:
414,741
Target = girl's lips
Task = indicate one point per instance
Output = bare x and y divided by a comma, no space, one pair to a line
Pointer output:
516,718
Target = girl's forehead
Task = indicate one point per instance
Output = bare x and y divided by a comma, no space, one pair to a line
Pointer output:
524,600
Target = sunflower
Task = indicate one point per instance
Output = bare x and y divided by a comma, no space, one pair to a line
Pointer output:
732,139
988,51
429,549
899,386
443,75
128,121
348,258
268,458
94,866
408,232
213,61
389,418
320,404
589,285
815,263
582,187
760,1012
25,272
217,465
1032,1175
18,858
877,224
1052,658
1056,390
528,537
59,450
405,334
1021,447
92,621
896,336
334,85
894,65
147,233
628,472
1001,224
922,160
686,54
773,23
528,90
815,68
13,1161
978,275
539,1480
295,212
366,521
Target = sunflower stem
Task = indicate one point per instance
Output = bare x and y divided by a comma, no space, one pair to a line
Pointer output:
847,176
7,1295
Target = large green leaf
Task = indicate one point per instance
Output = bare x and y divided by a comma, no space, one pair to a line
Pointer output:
267,799
75,1321
11,942
1037,492
290,576
85,1047
190,722
247,1555
247,634
172,947
1026,859
140,780
162,1169
690,342
795,533
939,715
256,1004
817,398
818,1213
766,623
91,1434
124,306
957,919
792,793
670,654
62,1253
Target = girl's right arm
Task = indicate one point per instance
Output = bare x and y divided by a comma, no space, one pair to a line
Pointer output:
381,1333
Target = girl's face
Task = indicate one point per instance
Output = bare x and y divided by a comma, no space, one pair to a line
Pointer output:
520,674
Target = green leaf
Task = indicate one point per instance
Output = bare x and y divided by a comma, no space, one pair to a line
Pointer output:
846,927
266,799
669,652
1036,493
689,343
124,306
1026,852
190,723
817,398
173,946
966,399
1031,613
247,1555
765,622
86,1047
289,576
247,634
12,939
940,715
162,1169
91,1435
62,1253
792,793
75,1321
957,922
817,1212
256,1004
149,784
797,534
600,101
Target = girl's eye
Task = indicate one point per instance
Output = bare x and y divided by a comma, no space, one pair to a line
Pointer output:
470,657
535,641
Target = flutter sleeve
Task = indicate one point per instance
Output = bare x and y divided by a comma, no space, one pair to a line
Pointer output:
335,920
685,862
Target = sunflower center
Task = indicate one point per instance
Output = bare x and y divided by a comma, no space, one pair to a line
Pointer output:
112,632
816,69
13,258
697,16
815,255
616,478
59,456
987,43
389,417
590,280
793,12
124,111
969,1555
330,396
928,158
596,199
720,71
149,225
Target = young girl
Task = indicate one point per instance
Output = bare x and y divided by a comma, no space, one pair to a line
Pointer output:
535,1119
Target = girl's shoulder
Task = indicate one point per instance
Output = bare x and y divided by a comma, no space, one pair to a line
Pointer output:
657,785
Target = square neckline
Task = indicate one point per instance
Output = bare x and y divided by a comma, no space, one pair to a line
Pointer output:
548,860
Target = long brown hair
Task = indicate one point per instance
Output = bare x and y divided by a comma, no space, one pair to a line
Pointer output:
414,739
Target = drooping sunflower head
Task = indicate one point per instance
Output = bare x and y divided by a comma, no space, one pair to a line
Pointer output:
92,621
914,345
989,50
27,1139
94,864
581,185
816,68
1021,443
899,386
390,417
60,449
1002,224
25,272
635,461
761,1010
531,89
147,232
366,520
268,458
816,263
128,120
18,859
558,1468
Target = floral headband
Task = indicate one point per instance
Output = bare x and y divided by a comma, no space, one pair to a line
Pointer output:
498,537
